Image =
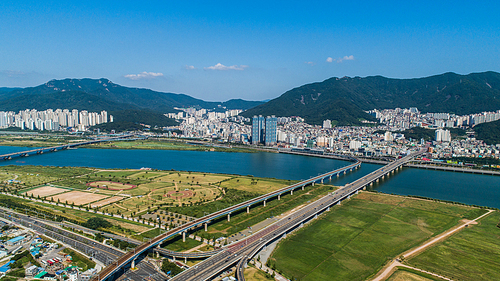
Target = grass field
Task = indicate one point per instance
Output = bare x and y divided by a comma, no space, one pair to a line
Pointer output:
164,145
353,241
253,274
404,274
258,185
471,254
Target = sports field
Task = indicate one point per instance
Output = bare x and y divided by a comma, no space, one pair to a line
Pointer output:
78,197
355,239
106,201
44,191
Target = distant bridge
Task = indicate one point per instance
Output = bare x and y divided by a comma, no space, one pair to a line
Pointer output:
42,150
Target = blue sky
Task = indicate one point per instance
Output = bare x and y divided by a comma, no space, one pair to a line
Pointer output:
255,50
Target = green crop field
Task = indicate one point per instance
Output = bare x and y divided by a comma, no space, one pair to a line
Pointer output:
471,254
405,274
354,240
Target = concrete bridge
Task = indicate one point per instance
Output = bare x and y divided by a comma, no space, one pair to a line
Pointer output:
42,150
128,258
240,253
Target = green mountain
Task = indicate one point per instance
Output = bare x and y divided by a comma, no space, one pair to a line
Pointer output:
488,132
344,100
102,94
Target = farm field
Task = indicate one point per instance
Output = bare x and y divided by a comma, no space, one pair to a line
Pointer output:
354,240
404,275
471,254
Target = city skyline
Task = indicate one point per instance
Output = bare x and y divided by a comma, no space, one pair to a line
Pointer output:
219,51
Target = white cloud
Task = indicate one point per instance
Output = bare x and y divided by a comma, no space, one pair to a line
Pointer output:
189,67
220,66
143,75
339,60
310,63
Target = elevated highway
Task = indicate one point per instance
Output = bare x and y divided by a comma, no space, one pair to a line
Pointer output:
129,257
42,150
238,254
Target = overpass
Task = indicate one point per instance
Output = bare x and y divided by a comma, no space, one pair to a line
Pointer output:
42,150
239,253
129,257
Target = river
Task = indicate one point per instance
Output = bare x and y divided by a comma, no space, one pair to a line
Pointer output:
474,189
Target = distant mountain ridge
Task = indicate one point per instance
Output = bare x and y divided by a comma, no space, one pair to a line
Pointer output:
345,100
102,94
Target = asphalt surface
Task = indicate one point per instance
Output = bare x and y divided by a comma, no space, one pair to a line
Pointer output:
242,251
102,253
128,257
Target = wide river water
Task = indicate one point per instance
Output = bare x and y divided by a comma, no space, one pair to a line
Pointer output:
467,188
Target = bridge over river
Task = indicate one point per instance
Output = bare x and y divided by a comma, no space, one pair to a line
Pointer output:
42,150
244,250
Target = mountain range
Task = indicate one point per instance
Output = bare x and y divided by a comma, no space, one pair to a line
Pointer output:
345,100
342,100
102,94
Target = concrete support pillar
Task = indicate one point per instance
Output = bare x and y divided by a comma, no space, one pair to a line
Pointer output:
228,217
279,196
284,235
321,180
351,170
301,224
364,187
302,187
345,172
330,177
184,236
157,255
173,258
338,203
248,209
328,209
338,175
206,226
185,260
356,192
313,184
291,192
264,203
133,264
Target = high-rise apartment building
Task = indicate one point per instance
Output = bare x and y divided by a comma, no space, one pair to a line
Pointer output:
264,130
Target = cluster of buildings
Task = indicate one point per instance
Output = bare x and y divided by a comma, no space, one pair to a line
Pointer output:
53,120
383,140
401,119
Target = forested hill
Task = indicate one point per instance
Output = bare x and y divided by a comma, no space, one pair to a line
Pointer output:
344,100
488,132
102,94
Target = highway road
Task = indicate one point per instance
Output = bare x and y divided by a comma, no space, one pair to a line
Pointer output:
244,250
130,256
101,252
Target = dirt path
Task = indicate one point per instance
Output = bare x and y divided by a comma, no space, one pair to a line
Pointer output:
387,271
392,268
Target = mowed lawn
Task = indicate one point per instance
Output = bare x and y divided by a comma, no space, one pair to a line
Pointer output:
471,254
353,241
